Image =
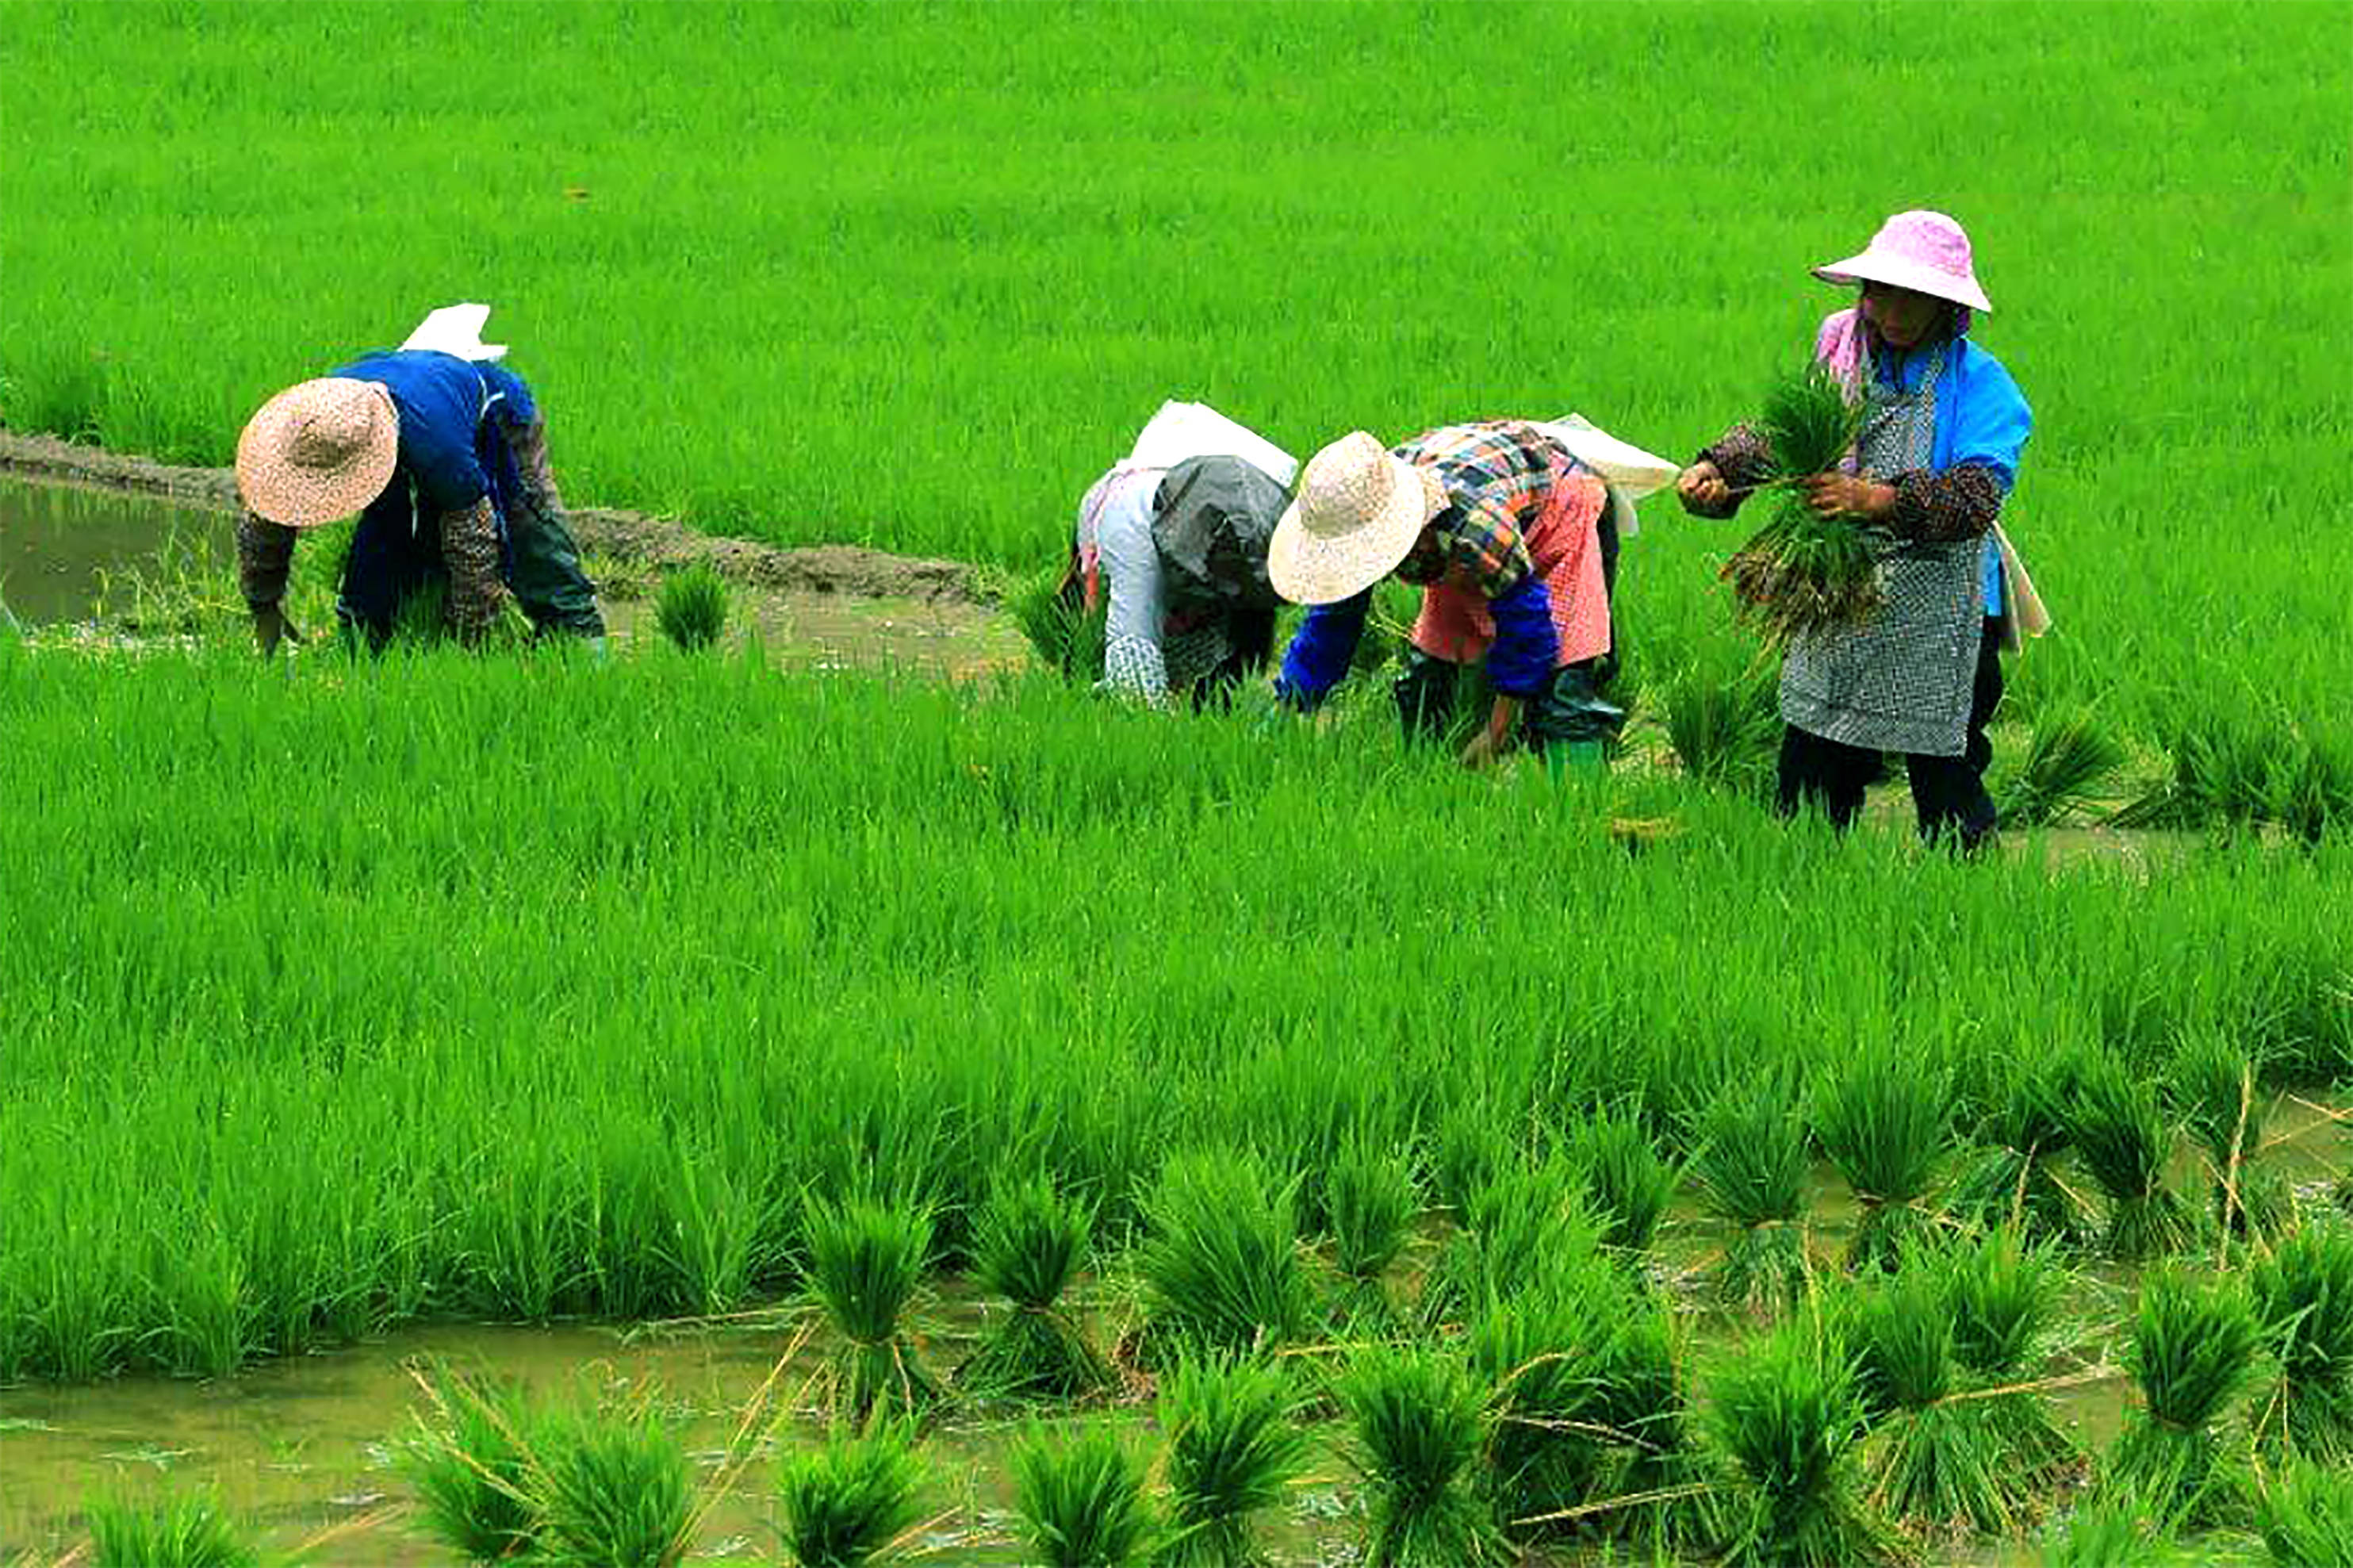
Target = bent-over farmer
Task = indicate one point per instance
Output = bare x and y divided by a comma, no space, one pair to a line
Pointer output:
1498,524
1942,430
445,459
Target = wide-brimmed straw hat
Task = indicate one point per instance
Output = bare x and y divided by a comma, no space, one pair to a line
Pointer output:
319,451
1925,253
1359,509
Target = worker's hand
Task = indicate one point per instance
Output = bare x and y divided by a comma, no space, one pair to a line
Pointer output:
1485,749
1701,489
1847,495
271,627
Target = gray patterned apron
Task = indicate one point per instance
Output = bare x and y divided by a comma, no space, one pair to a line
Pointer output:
1902,682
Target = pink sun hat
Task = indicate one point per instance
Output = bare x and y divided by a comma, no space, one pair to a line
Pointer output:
319,451
1925,253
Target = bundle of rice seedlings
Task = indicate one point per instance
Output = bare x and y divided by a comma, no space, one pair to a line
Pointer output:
2192,1349
1235,1445
2108,1532
2014,1183
1530,1224
2003,1299
2306,1517
2304,1298
2123,1139
1629,1183
471,1467
1784,1410
1029,1242
1220,1261
1418,1427
2069,758
2215,1085
852,1502
1645,1400
1939,1459
612,1489
1799,574
1081,1500
1469,1150
865,1261
1064,635
1881,1120
1751,1167
1372,1202
1546,1358
692,609
188,1530
1726,727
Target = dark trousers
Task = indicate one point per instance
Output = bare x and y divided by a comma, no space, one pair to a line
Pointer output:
394,558
1569,708
1250,646
1948,793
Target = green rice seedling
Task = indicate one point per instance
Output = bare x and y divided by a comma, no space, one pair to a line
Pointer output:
1938,1461
1801,574
2304,1298
1468,1151
2216,1086
1065,636
1785,1410
1547,1356
472,1466
1220,1260
1751,1168
1029,1244
613,1489
1372,1201
1081,1500
1881,1118
865,1262
2070,756
2108,1533
1629,1183
2124,1140
1234,1445
1725,726
2192,1350
853,1500
1645,1400
2306,1516
1528,1225
185,1529
692,607
2003,1298
2014,1183
1417,1428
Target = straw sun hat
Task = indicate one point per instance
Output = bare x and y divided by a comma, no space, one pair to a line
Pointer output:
1925,253
1359,509
319,451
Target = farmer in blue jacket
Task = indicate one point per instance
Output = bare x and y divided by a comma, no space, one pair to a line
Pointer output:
445,459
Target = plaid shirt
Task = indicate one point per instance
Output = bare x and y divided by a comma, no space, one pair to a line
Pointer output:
1498,477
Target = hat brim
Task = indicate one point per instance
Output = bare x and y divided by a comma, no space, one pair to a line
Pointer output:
1309,569
295,496
1899,273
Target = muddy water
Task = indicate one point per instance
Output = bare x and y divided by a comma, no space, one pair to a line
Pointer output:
64,549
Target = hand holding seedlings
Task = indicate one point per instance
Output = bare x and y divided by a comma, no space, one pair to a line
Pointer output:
1701,488
1847,495
270,626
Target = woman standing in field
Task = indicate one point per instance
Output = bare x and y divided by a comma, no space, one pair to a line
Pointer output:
1498,524
1942,429
444,456
1175,553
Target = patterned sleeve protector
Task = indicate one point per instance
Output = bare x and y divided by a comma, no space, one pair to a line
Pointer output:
1962,503
1742,456
265,554
530,444
469,545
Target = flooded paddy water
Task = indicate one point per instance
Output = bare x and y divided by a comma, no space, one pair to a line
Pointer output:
68,552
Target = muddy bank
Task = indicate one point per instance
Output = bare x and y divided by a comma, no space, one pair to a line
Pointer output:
654,542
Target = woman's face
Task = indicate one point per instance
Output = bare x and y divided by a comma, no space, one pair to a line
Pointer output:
1901,317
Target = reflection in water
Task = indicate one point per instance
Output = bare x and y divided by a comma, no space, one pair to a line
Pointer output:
64,547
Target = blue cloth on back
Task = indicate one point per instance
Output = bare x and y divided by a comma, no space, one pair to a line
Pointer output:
452,412
1981,418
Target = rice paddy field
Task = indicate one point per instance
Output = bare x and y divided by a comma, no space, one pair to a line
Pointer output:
1062,1133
